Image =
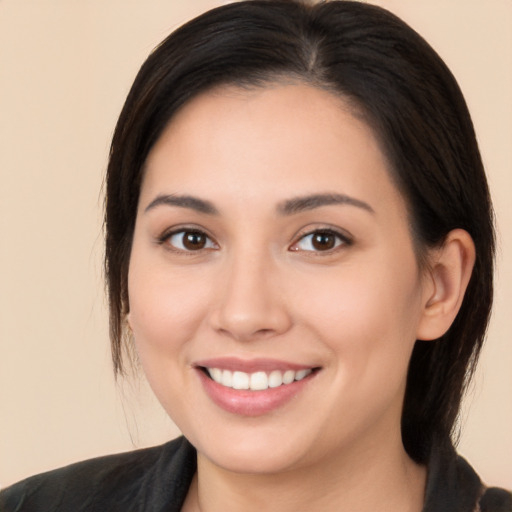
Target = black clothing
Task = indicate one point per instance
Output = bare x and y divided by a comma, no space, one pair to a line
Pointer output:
149,480
157,480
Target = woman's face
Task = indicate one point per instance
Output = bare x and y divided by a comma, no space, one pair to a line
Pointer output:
272,251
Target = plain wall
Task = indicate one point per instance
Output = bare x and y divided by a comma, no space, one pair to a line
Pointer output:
65,69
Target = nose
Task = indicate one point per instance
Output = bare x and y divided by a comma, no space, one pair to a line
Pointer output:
252,303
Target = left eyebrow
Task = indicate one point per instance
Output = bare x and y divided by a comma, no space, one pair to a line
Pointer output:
310,202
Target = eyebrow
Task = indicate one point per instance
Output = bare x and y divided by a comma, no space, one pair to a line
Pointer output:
190,202
288,207
310,202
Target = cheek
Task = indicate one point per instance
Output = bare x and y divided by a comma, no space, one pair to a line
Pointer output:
368,324
166,308
366,314
166,311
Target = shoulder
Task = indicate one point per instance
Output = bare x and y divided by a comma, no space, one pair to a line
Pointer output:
496,500
490,499
454,485
128,481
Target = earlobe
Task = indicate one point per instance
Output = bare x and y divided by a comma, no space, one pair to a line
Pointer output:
450,270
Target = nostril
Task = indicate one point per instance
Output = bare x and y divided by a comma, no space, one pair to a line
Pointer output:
264,332
247,317
243,333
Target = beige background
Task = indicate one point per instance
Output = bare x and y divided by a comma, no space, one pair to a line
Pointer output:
65,68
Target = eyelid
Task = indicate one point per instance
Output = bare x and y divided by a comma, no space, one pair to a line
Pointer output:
344,238
175,230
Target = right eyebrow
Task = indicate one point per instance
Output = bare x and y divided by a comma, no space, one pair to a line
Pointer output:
190,202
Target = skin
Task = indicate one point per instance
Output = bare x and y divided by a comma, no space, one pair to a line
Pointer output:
258,288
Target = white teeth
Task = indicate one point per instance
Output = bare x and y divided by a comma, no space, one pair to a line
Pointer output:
215,374
288,377
227,379
301,374
275,379
240,380
257,381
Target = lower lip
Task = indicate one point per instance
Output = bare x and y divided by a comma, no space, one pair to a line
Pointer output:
252,403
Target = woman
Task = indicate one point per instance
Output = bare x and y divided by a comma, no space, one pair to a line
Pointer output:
299,247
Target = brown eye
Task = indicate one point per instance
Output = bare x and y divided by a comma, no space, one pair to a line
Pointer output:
190,241
320,241
194,241
323,241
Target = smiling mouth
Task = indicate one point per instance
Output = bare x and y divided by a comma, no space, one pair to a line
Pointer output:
253,387
256,381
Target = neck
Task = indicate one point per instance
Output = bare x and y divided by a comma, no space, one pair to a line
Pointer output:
377,477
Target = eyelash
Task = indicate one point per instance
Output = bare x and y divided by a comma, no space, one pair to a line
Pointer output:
340,239
167,236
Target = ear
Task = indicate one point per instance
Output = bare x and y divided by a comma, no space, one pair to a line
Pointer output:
446,281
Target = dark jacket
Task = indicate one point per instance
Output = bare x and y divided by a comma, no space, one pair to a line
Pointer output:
157,480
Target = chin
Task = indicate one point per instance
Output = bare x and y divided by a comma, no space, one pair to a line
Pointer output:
256,451
253,460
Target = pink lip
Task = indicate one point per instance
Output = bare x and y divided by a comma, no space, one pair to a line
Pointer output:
247,402
250,366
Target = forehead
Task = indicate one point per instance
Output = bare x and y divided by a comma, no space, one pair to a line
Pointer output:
282,139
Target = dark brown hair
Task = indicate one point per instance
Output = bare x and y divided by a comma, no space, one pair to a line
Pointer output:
406,94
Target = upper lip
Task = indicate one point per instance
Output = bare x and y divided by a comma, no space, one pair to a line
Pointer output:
251,365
